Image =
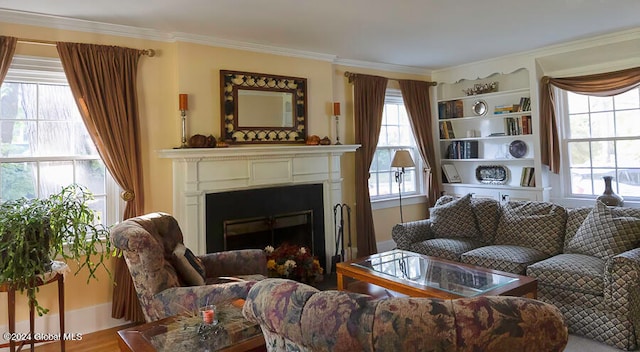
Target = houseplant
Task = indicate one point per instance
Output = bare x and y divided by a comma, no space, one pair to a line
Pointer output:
293,262
35,231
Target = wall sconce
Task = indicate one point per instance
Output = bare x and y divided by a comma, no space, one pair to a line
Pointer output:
183,100
401,159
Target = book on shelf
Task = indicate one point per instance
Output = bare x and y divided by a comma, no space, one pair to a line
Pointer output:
528,179
518,125
525,104
450,109
446,130
463,150
451,173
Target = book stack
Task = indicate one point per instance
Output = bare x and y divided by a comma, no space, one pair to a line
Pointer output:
463,150
446,130
450,109
528,178
518,125
525,104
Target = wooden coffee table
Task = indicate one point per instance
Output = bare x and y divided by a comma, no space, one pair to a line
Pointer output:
175,334
418,275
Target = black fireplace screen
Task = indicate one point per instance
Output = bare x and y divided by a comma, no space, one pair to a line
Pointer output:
255,218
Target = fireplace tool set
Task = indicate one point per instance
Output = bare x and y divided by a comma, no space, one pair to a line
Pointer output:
338,225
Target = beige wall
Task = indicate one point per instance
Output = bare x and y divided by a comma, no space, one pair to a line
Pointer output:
194,69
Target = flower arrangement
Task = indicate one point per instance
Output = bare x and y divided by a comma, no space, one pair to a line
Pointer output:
293,262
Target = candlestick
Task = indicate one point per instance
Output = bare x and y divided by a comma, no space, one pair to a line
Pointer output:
184,105
336,113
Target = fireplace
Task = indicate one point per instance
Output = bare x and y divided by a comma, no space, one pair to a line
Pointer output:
255,218
199,173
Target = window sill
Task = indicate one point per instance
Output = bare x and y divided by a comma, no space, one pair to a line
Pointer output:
394,202
575,202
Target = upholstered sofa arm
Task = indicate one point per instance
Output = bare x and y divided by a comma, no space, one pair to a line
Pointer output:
622,282
235,263
181,300
408,233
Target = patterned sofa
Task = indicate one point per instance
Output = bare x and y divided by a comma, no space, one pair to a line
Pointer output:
297,317
586,260
169,279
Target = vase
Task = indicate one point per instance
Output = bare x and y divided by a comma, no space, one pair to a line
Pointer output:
608,197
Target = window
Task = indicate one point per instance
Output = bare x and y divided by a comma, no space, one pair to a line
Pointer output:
44,144
395,134
602,138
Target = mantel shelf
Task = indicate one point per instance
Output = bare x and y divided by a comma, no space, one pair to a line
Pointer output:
256,150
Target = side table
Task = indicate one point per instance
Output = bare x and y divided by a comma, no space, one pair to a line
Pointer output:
56,274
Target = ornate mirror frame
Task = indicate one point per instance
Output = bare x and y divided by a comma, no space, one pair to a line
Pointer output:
232,132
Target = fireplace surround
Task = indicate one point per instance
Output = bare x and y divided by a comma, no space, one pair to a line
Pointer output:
198,172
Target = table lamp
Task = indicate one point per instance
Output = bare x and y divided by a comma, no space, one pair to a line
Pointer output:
401,159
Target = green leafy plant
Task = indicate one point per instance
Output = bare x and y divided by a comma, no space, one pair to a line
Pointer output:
61,226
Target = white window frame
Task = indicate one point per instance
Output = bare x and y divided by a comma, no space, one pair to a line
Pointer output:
394,96
31,69
562,110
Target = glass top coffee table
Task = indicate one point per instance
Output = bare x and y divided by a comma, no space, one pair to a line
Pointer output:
419,275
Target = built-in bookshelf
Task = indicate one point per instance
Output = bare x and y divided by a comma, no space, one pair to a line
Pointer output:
490,138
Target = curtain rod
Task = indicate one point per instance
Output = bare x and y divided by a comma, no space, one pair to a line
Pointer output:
350,75
147,52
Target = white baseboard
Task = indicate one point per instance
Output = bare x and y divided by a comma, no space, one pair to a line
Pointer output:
79,321
385,246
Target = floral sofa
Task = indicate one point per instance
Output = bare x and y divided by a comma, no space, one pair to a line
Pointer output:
297,317
169,279
586,260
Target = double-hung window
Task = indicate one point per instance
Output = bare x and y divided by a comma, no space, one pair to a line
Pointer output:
601,138
395,134
44,144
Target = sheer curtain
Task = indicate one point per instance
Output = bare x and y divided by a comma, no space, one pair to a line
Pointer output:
103,80
601,84
417,101
368,100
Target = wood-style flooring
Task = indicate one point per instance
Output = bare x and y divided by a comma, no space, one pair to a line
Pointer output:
99,341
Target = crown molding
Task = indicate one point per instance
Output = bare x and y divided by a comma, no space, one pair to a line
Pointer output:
268,49
72,24
383,66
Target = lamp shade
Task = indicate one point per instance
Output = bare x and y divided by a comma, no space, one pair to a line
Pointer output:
402,158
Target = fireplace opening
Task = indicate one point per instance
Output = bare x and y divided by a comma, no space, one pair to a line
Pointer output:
293,228
256,218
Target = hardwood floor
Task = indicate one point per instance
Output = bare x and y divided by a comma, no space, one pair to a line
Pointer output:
99,341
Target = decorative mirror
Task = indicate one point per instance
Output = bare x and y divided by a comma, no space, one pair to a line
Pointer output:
259,108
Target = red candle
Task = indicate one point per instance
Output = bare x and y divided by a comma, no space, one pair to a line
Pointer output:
207,316
336,109
184,98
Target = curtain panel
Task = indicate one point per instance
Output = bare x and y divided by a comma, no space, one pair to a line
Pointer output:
103,80
601,84
368,100
416,98
7,49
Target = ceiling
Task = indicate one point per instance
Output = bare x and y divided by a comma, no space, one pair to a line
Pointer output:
425,34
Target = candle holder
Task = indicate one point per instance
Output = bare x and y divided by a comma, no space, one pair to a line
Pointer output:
183,103
336,113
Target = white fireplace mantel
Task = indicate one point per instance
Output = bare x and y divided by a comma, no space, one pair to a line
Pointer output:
199,171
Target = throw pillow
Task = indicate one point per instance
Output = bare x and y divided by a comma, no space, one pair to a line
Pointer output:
454,219
602,235
537,225
189,267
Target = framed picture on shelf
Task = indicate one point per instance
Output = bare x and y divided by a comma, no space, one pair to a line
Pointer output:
451,173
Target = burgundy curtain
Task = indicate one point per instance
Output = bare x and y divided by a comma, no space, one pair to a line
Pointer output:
368,100
601,84
7,49
103,80
417,101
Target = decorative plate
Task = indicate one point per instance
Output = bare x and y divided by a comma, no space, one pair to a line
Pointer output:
492,174
518,148
479,107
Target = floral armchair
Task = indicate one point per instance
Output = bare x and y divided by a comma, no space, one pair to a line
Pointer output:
297,317
169,279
